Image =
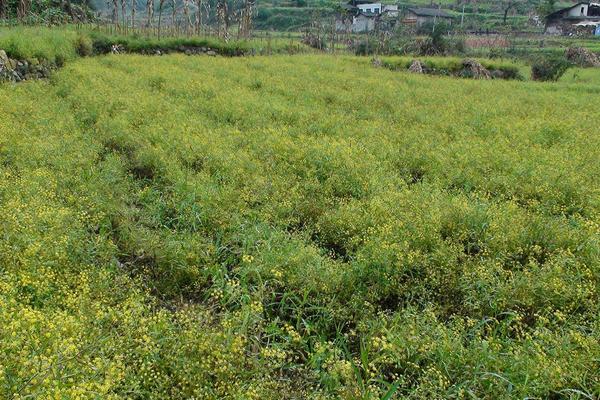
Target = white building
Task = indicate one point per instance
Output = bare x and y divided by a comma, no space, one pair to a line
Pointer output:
420,16
378,9
360,16
579,18
372,8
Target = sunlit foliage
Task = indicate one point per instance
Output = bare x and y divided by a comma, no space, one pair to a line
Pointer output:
296,227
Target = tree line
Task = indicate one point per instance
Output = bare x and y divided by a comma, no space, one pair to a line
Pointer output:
48,10
191,16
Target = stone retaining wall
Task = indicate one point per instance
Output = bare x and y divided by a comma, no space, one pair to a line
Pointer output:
20,70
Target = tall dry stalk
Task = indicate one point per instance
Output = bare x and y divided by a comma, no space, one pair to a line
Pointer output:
3,9
222,20
124,13
133,8
23,9
161,4
149,13
173,15
115,12
186,13
199,5
245,23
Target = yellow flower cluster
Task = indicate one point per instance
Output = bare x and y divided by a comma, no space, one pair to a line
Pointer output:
295,227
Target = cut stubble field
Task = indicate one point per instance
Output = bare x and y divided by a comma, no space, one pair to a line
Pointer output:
297,227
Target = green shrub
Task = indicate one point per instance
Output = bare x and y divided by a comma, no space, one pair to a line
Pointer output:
548,68
364,47
84,46
314,40
436,44
456,46
59,60
495,52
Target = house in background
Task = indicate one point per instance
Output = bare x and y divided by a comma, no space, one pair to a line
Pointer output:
360,22
363,16
581,18
368,8
421,16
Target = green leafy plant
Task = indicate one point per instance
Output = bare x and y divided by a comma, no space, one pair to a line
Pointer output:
549,68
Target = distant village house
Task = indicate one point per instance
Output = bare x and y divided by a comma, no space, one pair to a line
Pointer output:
363,16
422,16
581,18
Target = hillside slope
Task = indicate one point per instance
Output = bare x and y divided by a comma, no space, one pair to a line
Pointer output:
293,15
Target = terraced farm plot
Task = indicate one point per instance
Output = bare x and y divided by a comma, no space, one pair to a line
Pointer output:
297,227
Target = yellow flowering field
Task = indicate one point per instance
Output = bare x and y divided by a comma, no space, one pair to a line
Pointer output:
297,227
